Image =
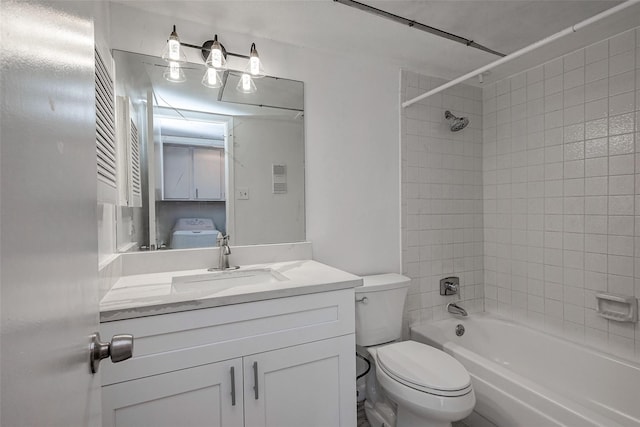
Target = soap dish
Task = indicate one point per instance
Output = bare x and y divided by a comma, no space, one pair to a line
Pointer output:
620,308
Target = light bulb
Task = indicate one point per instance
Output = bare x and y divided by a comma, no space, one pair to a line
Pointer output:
216,58
211,78
174,73
254,65
174,49
246,82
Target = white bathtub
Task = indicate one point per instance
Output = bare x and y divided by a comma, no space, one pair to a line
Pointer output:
526,378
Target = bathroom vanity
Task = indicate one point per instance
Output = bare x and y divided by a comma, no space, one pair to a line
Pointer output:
264,345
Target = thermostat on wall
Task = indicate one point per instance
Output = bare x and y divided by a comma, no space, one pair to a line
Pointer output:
279,174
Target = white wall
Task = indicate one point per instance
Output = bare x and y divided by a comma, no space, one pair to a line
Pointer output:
351,136
259,143
441,198
561,184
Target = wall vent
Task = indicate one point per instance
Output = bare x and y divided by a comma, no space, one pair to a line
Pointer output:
135,179
105,132
279,174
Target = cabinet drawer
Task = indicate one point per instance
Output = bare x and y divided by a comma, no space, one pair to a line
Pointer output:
180,340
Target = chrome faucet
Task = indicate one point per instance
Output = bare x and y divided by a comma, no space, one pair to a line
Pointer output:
225,251
454,308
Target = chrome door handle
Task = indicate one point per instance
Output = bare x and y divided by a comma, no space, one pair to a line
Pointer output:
120,348
255,379
233,386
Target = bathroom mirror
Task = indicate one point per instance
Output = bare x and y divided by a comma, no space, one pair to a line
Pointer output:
212,159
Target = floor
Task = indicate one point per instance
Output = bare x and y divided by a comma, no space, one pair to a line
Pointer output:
362,419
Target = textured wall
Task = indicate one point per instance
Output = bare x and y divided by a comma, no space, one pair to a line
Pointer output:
561,175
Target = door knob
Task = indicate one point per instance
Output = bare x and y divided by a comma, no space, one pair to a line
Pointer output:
120,348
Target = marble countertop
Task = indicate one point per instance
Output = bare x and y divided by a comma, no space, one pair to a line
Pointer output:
151,294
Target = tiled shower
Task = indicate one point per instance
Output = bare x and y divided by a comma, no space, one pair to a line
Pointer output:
442,229
561,175
534,205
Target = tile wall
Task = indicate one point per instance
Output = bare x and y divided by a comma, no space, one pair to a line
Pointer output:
561,174
442,231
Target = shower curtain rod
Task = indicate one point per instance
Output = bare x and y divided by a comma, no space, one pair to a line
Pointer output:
524,50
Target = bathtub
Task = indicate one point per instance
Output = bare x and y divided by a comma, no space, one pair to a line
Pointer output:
526,378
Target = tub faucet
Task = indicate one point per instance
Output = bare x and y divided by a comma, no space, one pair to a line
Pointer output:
454,308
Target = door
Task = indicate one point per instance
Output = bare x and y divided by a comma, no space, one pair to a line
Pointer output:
208,181
177,164
194,397
304,385
48,215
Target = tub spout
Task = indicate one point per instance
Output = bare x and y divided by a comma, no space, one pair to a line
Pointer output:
454,308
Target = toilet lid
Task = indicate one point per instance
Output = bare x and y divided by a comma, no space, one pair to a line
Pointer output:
423,366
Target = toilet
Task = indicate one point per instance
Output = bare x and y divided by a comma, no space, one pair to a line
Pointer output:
410,384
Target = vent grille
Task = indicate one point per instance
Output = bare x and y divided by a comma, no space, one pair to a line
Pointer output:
105,125
136,186
279,174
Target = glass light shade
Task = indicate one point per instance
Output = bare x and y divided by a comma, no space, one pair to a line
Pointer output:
216,57
254,67
246,84
173,52
174,73
212,78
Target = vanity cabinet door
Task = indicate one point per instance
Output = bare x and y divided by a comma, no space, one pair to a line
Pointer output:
199,396
307,385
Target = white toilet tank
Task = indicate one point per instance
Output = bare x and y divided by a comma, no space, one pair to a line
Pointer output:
379,307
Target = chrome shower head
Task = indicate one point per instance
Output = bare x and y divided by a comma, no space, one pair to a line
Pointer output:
456,123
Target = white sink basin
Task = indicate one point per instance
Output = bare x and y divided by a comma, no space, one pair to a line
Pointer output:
220,280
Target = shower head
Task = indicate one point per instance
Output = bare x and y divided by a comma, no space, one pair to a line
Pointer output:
456,123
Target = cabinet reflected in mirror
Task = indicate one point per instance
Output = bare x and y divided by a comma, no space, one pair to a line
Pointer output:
213,160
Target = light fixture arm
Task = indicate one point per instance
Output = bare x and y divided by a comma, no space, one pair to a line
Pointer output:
206,48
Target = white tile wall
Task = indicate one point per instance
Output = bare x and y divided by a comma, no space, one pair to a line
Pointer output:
441,198
561,174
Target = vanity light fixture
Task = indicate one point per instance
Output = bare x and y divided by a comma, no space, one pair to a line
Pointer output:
175,56
217,55
173,51
214,55
254,67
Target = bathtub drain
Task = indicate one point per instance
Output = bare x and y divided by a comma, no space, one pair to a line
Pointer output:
459,330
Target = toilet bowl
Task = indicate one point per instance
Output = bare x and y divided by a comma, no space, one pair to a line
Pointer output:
429,386
426,386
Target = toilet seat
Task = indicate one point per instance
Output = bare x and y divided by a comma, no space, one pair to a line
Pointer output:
424,369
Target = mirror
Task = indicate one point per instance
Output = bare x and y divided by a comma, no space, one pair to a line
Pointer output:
213,160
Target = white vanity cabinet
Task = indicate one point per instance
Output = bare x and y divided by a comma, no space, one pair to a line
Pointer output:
292,360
